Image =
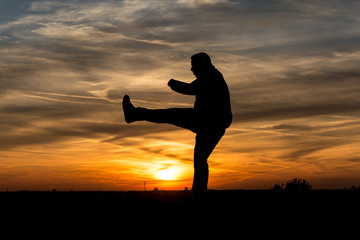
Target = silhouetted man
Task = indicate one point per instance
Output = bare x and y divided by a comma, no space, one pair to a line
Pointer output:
209,118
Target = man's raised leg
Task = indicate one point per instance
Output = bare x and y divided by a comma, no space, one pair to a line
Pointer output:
181,117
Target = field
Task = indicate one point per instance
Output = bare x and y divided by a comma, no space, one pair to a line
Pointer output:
245,201
237,210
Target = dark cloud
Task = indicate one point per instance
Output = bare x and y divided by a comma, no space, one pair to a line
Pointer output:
291,127
322,78
81,44
162,152
317,46
12,9
57,110
297,94
303,149
65,121
273,113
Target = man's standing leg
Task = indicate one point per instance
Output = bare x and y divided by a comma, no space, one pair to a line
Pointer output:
206,141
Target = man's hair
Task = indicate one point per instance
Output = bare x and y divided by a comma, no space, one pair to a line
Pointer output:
201,59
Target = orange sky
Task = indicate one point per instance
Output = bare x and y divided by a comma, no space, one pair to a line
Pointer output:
291,67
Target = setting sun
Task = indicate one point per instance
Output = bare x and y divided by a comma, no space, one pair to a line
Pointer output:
167,174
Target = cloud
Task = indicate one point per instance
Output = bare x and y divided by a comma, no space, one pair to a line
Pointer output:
198,3
113,43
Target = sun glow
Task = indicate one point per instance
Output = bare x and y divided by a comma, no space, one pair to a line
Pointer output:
167,174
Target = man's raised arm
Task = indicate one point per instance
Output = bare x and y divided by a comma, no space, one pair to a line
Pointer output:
182,87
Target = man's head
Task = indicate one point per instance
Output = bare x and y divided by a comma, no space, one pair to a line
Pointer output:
200,63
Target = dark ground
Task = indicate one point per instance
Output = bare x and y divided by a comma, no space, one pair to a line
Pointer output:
158,201
234,209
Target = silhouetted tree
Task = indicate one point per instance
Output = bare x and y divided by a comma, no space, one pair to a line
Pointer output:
297,185
278,187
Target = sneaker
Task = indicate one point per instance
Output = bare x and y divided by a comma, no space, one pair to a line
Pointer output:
129,110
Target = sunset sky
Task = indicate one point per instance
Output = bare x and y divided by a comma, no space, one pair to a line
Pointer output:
292,68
